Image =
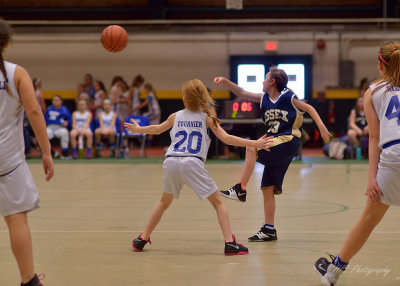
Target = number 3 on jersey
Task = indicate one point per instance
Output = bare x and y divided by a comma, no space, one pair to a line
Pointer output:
274,126
194,135
393,110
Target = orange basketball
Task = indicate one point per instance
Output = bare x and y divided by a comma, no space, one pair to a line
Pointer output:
114,38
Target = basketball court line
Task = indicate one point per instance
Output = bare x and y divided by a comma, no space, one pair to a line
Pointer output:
207,231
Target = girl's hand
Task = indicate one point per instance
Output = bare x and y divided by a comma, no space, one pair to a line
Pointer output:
132,127
325,134
264,142
48,166
218,80
373,191
65,123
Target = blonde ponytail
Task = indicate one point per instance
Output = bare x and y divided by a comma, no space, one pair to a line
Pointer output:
389,56
196,97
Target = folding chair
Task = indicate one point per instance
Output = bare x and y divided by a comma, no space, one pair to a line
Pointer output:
142,121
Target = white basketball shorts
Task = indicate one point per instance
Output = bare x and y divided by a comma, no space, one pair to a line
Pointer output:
18,191
178,171
388,176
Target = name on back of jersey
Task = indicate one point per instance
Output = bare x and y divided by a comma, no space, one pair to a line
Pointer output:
197,124
275,114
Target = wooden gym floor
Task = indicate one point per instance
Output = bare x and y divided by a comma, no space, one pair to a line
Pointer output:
90,212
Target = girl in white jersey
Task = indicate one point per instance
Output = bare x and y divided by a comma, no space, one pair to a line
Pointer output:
18,194
99,96
81,120
106,128
154,113
382,109
37,84
184,163
134,95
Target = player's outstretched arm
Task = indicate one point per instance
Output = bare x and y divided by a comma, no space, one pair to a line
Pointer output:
24,85
151,129
263,142
325,134
237,90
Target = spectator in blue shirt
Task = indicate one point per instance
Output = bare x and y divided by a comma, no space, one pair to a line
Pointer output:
58,118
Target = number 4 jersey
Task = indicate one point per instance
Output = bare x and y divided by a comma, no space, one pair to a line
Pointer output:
281,117
386,101
189,135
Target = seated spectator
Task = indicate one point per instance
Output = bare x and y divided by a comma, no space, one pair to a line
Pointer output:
89,86
121,102
81,120
37,84
358,128
154,113
58,118
106,128
99,97
83,95
134,95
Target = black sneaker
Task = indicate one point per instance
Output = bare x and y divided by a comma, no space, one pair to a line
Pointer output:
35,281
328,271
235,193
264,234
139,243
234,248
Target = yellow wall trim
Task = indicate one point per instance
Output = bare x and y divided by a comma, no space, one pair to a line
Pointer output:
217,94
338,93
161,94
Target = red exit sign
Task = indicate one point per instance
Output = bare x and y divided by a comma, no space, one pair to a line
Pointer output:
271,46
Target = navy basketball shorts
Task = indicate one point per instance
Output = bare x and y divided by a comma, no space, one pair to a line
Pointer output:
276,162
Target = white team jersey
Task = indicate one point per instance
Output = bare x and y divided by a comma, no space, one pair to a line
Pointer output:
136,100
154,107
81,118
387,107
189,135
107,118
97,97
11,123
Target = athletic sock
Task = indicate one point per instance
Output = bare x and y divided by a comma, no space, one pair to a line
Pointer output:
89,149
64,151
339,263
74,150
269,226
30,282
243,185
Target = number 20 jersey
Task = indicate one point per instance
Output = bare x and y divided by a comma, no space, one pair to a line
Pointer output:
189,136
386,101
281,117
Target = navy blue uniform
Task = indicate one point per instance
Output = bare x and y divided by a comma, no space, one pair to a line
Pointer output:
361,121
283,121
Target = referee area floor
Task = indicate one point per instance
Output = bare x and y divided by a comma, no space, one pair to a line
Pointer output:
92,210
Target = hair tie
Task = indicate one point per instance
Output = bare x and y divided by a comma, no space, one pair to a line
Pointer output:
381,58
